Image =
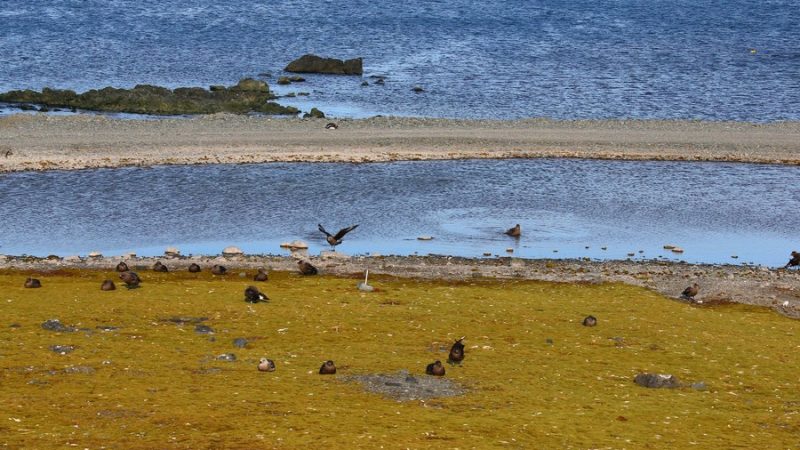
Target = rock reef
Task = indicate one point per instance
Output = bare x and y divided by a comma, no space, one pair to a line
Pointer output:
317,64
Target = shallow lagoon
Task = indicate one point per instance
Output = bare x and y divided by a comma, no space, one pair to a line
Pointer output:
712,210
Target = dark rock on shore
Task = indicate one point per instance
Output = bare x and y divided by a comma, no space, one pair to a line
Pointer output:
57,326
656,380
314,114
317,64
247,96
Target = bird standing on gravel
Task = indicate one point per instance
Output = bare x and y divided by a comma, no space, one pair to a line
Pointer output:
690,292
327,368
795,261
131,279
456,352
336,239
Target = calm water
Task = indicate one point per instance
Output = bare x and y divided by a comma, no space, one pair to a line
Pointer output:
712,210
495,59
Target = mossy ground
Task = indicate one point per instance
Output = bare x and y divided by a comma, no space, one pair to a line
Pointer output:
536,377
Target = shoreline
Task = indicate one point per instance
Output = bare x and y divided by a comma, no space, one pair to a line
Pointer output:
774,288
38,142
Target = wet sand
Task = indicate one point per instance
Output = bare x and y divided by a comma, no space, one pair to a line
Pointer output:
42,142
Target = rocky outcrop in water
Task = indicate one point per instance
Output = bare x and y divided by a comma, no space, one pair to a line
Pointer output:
317,64
247,96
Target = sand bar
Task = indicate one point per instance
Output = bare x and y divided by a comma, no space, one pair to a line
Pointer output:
43,142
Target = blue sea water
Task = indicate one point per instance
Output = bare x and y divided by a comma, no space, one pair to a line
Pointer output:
667,59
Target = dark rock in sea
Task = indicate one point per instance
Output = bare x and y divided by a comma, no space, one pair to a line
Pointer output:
318,64
249,95
314,114
284,81
365,83
418,89
296,79
57,326
62,349
240,343
656,380
380,81
203,329
230,357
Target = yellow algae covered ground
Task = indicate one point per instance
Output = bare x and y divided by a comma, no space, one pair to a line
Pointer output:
535,377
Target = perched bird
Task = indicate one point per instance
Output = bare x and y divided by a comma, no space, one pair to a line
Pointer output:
261,275
456,352
160,267
795,261
331,126
32,283
131,279
306,268
514,232
122,267
253,295
336,239
108,285
690,292
218,269
327,368
590,321
435,368
266,365
194,268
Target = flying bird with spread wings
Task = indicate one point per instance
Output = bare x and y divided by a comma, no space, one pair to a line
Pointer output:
336,239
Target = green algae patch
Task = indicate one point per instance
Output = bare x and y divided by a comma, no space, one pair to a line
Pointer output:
533,376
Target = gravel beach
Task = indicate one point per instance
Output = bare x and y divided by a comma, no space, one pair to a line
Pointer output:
43,142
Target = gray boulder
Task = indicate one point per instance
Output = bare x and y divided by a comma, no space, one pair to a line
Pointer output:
656,380
317,64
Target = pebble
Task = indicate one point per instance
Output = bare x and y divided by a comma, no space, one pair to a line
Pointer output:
240,343
57,326
424,237
203,329
62,349
230,357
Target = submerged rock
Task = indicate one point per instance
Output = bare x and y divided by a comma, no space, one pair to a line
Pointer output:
317,64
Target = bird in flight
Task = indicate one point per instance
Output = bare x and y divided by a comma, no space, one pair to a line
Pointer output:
336,239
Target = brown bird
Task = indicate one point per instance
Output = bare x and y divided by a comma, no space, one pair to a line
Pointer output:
435,368
131,279
514,232
122,267
336,239
690,292
327,368
590,321
194,268
306,268
456,352
261,275
253,295
160,267
108,285
795,261
32,283
266,365
218,269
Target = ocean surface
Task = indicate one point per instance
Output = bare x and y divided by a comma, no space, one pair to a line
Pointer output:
666,59
567,209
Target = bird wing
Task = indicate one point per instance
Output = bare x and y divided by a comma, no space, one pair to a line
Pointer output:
323,229
344,231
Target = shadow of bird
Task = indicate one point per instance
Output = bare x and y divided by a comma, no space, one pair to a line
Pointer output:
32,283
336,239
261,275
514,232
266,365
131,279
795,261
590,321
435,368
108,285
194,268
456,352
690,292
253,295
160,267
218,269
306,268
327,368
122,267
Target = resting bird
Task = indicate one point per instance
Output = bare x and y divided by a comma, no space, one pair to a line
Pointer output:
253,295
33,283
306,268
160,267
590,321
122,267
456,352
108,285
327,368
795,261
690,291
435,368
194,268
261,275
218,269
131,279
336,239
266,365
514,232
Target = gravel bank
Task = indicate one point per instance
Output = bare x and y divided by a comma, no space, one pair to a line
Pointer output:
42,142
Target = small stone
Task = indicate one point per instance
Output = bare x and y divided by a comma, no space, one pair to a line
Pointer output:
295,245
57,326
699,386
203,329
230,357
511,250
62,349
677,250
86,370
487,253
656,380
425,237
240,343
668,246
232,251
364,287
